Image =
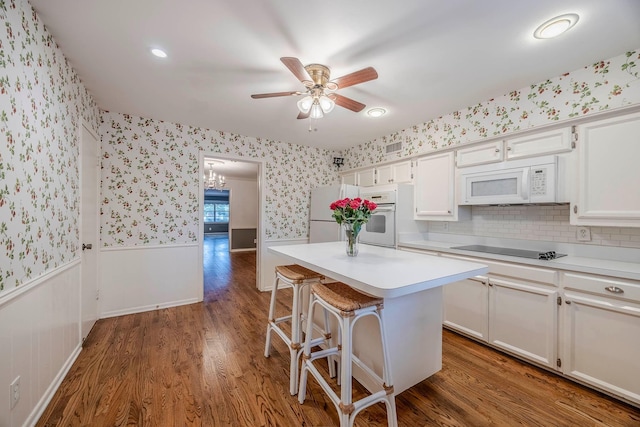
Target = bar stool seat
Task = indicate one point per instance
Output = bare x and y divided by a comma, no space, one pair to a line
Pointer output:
297,277
347,305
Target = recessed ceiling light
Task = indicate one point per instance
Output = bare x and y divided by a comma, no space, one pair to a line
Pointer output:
556,26
159,53
376,112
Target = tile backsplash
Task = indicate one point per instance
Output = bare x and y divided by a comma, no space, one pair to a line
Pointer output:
548,223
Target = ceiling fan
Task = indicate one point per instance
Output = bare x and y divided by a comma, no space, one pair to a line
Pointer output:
320,90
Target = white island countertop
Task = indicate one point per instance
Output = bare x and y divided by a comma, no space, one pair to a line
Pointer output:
378,271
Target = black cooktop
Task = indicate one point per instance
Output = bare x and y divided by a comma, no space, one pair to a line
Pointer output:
511,252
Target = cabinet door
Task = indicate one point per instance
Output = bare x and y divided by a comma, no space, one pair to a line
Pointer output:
402,173
435,187
480,154
384,174
465,307
555,141
523,320
350,178
601,345
608,173
367,177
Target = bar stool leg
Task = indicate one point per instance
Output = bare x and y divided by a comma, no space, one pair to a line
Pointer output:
294,348
346,405
306,350
390,402
272,316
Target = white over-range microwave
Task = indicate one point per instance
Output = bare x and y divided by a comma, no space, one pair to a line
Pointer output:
524,181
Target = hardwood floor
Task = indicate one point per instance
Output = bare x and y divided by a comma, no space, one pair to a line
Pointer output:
203,365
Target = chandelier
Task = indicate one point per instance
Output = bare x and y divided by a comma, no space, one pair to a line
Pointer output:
214,181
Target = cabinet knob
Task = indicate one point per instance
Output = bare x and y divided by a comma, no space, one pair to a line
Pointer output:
614,289
508,148
497,150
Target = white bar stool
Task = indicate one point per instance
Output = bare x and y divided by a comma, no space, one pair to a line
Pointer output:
297,277
348,306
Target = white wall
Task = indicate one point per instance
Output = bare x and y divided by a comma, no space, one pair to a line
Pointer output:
39,341
243,202
136,279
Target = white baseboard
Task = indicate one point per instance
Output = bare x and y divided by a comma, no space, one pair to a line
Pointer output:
243,250
142,309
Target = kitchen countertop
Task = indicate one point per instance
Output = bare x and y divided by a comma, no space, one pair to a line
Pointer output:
604,267
378,271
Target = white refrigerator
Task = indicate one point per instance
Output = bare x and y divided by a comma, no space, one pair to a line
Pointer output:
322,227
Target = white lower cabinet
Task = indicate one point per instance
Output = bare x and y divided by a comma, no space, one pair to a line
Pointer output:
601,334
506,310
466,305
583,326
523,319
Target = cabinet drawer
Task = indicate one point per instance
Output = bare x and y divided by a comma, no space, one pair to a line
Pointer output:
602,285
533,274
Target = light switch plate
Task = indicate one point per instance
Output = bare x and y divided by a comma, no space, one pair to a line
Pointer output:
583,234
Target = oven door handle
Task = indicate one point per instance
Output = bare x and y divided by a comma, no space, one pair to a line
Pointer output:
384,209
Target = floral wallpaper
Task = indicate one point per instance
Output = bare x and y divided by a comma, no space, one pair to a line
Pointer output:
42,104
150,180
150,168
605,85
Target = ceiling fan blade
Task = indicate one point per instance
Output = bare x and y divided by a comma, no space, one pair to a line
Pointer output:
295,66
274,94
302,115
347,103
356,77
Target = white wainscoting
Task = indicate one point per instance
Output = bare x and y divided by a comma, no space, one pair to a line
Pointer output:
269,261
144,278
39,341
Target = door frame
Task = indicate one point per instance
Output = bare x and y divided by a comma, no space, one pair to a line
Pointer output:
261,205
84,126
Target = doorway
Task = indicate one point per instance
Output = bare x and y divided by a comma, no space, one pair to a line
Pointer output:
231,206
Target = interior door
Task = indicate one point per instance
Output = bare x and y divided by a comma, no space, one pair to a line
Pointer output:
89,230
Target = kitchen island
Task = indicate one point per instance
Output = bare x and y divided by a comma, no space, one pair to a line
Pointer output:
411,285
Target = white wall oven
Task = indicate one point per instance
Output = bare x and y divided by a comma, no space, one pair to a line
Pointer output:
380,230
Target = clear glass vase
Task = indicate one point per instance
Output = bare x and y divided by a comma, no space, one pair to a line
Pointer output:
352,240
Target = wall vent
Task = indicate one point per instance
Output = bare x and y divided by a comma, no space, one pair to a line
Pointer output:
393,148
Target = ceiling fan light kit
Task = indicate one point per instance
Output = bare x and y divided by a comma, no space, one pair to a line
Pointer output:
320,98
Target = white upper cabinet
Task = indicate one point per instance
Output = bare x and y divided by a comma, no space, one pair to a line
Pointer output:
395,173
434,188
608,173
538,144
367,177
350,178
480,154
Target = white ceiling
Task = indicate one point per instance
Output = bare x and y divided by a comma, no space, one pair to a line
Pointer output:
432,56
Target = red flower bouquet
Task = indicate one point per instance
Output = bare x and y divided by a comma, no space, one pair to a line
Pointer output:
353,213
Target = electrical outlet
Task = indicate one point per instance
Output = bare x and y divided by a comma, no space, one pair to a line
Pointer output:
583,234
445,226
15,391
